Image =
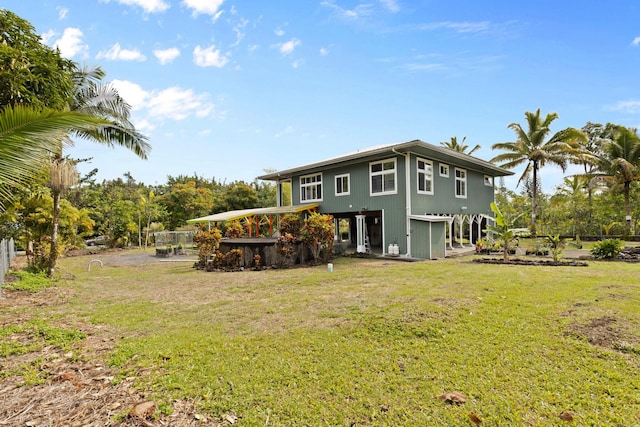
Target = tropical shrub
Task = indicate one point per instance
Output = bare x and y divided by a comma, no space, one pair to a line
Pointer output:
317,234
207,241
292,224
233,229
607,249
285,247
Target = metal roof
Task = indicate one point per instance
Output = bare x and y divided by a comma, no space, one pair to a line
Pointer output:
415,146
245,213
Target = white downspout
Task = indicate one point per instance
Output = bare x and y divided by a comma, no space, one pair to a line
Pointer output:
407,185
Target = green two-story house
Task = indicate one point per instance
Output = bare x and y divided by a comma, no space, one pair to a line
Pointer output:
406,199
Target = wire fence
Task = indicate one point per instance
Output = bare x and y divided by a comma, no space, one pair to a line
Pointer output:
7,254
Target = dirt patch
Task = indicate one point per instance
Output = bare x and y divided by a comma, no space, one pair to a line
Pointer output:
533,262
601,331
74,387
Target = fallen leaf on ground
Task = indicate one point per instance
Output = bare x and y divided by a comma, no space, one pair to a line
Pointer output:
476,419
143,410
453,397
566,416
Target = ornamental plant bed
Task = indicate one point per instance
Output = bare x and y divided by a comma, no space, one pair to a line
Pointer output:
542,262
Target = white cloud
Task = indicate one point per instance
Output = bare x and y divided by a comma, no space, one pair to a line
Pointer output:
71,43
62,12
132,93
173,103
391,5
209,57
636,41
116,53
177,104
297,63
149,6
279,32
324,51
206,7
166,56
287,48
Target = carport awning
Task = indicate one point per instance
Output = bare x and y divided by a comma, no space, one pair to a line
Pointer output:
246,213
432,218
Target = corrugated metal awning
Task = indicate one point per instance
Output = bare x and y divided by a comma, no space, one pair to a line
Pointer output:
246,213
432,218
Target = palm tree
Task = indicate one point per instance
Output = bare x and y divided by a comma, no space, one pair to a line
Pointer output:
619,164
533,148
28,135
459,147
93,99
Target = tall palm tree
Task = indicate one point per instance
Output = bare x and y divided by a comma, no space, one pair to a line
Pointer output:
533,148
619,164
93,99
28,135
460,147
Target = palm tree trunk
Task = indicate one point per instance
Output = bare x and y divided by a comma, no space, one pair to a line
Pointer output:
53,253
534,194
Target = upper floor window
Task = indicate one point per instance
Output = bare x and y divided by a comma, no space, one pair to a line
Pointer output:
383,177
444,170
488,181
425,176
342,185
461,183
311,187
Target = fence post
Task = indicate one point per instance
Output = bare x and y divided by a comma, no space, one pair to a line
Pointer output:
7,254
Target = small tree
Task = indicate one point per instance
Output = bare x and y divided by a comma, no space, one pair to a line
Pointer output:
557,244
317,234
502,231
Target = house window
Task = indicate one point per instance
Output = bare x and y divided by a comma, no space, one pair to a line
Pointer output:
444,170
383,177
461,183
342,185
425,176
311,187
488,181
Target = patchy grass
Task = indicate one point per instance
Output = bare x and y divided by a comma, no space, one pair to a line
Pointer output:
375,342
26,281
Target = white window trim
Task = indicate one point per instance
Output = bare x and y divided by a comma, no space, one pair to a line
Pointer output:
461,196
446,167
395,177
335,182
426,162
488,181
303,186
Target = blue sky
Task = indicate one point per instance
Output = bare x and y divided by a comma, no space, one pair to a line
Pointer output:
228,89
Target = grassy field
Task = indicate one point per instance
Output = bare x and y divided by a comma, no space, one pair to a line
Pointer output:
374,343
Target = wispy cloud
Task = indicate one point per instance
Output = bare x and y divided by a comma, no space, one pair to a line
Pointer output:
166,56
636,41
173,103
149,6
324,51
204,7
117,53
458,27
288,47
631,107
360,11
62,12
286,131
209,57
390,5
